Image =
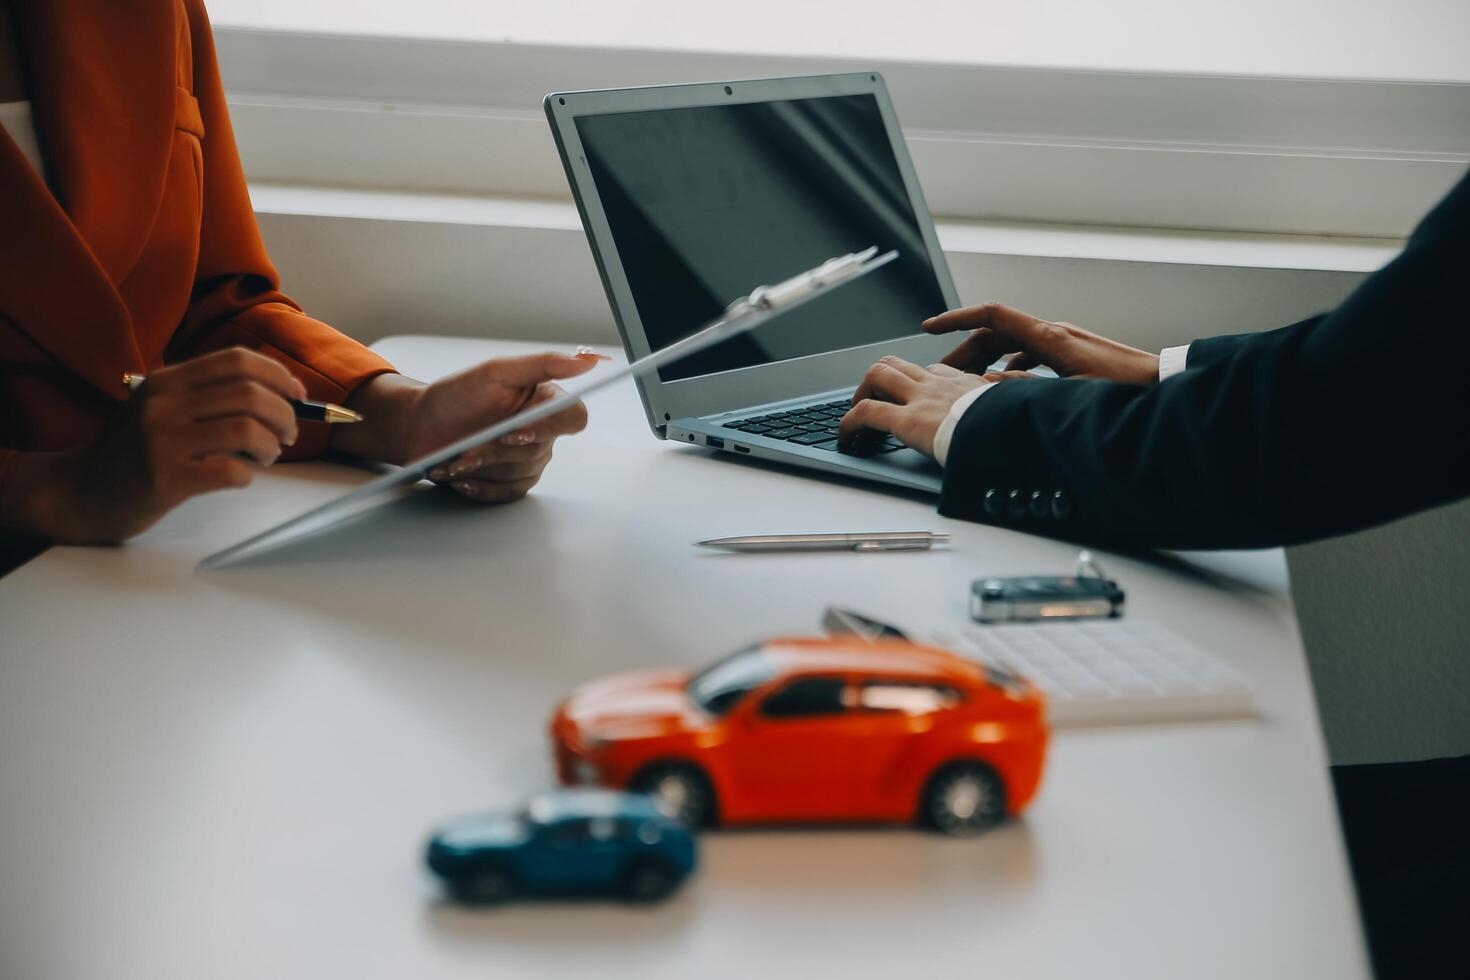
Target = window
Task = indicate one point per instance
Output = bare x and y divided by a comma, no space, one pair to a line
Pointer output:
1423,39
807,697
569,834
581,832
1291,145
908,697
720,687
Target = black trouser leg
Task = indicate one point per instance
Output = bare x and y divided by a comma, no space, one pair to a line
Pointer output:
1407,828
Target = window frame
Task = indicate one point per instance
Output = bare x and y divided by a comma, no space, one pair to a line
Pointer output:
1277,155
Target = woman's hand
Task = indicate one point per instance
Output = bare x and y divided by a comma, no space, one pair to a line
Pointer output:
189,429
406,419
1070,351
908,401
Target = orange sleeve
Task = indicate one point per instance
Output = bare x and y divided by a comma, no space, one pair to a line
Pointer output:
237,300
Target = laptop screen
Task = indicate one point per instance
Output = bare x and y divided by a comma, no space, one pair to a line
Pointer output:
707,202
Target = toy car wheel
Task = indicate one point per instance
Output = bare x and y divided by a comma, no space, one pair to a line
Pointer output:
649,881
486,886
964,799
681,790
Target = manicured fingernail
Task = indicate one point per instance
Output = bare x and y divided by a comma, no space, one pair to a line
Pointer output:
460,469
438,474
519,439
300,388
463,486
584,351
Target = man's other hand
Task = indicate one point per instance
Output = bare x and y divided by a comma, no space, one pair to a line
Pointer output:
998,331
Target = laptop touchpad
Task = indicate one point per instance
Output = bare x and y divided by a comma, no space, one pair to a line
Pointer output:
910,460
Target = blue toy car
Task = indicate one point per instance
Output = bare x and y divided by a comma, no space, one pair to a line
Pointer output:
565,842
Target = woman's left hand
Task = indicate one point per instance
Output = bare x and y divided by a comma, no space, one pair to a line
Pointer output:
413,419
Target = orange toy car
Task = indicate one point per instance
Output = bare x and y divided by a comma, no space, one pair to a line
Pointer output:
837,729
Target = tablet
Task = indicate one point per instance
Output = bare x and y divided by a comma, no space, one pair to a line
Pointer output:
764,304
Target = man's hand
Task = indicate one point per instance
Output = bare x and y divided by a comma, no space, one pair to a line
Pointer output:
406,419
908,401
1070,351
189,429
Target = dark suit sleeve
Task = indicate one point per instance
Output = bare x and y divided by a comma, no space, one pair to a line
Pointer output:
1333,424
1212,350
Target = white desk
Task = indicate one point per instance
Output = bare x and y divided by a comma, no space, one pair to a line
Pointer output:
231,774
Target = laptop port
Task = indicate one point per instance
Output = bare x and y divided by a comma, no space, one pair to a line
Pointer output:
714,442
739,448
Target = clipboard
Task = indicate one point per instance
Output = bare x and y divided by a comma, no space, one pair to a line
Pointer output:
744,314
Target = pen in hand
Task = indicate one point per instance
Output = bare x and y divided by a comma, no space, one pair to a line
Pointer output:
307,410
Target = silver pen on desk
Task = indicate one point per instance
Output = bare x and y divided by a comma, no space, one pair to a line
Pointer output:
841,541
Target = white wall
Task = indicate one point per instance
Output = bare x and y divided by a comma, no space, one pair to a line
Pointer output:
1406,39
1387,631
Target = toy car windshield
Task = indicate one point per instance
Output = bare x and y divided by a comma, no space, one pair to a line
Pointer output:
719,687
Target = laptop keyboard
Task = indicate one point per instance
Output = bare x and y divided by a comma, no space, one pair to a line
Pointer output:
811,425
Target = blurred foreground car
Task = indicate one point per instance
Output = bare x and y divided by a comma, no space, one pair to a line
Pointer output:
565,842
837,729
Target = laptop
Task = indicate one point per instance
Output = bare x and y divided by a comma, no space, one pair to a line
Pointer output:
691,193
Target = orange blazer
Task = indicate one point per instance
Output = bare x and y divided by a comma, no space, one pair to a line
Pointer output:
143,251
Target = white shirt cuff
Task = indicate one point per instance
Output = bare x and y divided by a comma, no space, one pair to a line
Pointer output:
1172,360
956,411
